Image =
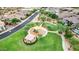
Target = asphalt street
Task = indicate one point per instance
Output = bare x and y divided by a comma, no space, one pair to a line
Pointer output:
5,34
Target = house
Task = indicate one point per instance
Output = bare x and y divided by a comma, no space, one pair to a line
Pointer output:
73,19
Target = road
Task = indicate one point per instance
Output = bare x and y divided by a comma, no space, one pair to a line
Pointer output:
9,32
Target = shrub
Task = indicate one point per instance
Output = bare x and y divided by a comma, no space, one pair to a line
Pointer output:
61,22
54,16
34,10
42,17
15,20
28,14
7,21
60,32
69,23
42,10
48,13
68,34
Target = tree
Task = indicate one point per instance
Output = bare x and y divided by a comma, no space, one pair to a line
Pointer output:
15,20
61,22
43,18
69,23
62,28
34,10
68,33
42,10
52,15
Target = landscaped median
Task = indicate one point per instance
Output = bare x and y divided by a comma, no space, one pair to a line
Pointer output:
50,42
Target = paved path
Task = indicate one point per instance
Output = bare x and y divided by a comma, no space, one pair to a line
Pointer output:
9,32
65,43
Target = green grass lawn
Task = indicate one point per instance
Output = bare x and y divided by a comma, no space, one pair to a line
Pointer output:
52,27
75,43
14,42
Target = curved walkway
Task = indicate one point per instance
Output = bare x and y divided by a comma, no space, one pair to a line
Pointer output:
17,27
65,44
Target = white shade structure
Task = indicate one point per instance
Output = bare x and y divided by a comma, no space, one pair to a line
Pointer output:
30,38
